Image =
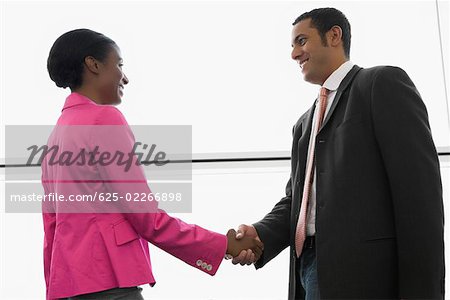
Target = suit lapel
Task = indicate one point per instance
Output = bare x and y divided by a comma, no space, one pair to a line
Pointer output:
301,150
304,126
344,84
307,126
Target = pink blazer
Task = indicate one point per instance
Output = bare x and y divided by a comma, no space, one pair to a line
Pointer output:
90,252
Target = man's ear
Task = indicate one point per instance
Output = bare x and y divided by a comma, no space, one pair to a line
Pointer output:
334,36
92,64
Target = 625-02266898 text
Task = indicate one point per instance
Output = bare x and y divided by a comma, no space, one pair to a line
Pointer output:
102,197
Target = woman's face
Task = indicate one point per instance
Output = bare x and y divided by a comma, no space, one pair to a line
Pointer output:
112,80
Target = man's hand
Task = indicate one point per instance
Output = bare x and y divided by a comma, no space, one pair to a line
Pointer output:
246,257
246,243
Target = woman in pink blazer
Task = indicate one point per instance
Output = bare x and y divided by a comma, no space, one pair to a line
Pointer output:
90,252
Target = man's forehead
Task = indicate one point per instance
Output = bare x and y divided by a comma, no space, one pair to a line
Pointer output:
302,27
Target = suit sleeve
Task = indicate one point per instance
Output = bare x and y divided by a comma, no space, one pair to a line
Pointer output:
198,247
274,229
401,127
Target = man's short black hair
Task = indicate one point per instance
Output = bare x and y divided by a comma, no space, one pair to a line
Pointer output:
323,19
65,63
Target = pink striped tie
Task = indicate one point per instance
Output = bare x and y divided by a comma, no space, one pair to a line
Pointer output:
300,234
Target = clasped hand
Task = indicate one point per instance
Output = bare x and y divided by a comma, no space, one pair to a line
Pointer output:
244,248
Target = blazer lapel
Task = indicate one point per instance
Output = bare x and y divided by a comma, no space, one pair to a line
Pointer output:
307,126
304,125
344,84
302,143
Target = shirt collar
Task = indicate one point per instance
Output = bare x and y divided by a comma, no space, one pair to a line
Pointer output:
75,99
334,80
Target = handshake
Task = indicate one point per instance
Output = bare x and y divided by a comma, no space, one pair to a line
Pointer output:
244,246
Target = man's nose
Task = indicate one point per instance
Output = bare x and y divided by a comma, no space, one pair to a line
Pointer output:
296,53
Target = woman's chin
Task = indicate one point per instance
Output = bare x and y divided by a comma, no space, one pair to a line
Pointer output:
118,98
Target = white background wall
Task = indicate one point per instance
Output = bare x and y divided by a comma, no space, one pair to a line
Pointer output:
225,68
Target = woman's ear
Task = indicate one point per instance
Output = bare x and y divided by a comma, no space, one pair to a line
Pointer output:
92,64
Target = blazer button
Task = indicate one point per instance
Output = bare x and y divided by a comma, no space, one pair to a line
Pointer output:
208,267
204,265
199,262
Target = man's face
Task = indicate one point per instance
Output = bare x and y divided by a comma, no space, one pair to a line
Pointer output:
314,58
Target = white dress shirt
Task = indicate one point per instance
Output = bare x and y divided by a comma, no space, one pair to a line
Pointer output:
332,83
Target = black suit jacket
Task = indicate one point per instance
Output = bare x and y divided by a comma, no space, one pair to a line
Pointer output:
379,212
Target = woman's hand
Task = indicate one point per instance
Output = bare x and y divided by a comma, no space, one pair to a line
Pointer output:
235,246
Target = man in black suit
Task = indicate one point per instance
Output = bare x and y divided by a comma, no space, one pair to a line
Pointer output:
374,215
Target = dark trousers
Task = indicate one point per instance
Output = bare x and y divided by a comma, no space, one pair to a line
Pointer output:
131,293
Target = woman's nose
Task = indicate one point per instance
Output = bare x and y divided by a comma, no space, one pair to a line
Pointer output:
125,79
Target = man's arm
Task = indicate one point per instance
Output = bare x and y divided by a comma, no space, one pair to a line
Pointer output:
401,127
